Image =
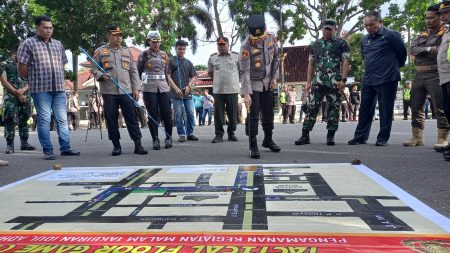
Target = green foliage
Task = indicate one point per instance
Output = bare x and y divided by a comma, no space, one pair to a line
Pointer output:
356,60
410,15
201,67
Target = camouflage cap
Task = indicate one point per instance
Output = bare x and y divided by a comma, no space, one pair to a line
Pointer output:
329,23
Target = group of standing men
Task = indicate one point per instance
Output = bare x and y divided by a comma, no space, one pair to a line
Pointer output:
169,83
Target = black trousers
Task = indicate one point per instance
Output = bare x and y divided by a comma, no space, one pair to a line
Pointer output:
385,94
225,103
161,101
262,103
111,105
73,119
406,105
446,99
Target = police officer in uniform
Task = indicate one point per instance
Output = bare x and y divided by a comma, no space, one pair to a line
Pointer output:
425,49
223,67
17,104
118,63
156,89
259,60
326,77
443,60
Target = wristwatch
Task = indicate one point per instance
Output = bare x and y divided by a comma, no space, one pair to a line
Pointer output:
428,49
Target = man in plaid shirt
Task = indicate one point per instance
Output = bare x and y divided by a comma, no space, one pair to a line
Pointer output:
41,60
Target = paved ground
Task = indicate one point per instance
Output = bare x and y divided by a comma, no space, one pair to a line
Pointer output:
420,171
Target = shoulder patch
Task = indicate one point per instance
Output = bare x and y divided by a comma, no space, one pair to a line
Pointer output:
245,54
105,51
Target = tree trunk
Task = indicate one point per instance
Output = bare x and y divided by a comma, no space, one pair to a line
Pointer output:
75,71
217,18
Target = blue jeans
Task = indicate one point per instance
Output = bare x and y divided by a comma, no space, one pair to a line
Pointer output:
184,128
45,103
209,112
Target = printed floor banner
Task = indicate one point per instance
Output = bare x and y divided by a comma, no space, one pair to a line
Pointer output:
285,208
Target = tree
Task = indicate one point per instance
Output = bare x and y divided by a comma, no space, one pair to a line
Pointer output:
356,60
308,15
201,67
14,25
83,23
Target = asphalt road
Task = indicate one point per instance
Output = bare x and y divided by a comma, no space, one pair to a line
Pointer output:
420,170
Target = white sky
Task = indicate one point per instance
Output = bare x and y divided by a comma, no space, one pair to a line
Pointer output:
205,49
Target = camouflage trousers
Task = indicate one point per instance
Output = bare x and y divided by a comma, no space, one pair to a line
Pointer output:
334,98
16,114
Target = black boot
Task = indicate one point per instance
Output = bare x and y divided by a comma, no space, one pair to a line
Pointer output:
330,137
254,151
9,146
24,145
268,143
304,139
117,150
156,145
138,149
168,143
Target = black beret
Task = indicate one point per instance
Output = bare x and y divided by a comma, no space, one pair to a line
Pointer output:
256,25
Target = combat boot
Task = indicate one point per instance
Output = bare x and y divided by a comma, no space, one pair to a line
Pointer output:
138,149
156,144
9,147
24,145
254,151
268,143
442,142
304,139
330,137
416,139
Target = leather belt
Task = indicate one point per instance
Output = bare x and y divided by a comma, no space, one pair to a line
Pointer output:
426,68
156,77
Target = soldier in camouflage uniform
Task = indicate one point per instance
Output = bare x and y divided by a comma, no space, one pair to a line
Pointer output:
17,104
328,69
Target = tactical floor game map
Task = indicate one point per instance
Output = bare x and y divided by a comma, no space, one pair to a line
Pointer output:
216,208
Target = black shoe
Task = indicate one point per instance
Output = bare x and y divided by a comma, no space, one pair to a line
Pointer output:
446,153
304,139
168,143
232,137
138,149
356,142
268,143
27,146
330,138
192,138
442,149
116,151
217,139
70,152
381,143
254,151
156,145
9,149
49,156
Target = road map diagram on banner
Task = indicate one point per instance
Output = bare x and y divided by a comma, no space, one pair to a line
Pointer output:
308,207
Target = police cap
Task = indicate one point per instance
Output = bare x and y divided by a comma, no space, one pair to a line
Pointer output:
154,36
114,29
444,6
256,25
